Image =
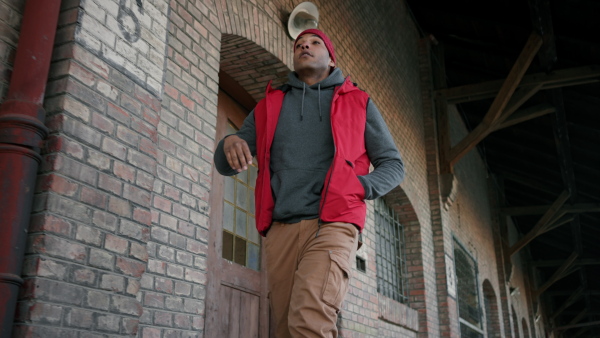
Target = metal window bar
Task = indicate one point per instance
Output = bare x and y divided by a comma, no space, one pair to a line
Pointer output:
390,254
469,305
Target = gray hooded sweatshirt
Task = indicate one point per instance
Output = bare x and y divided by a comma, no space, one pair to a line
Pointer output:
302,150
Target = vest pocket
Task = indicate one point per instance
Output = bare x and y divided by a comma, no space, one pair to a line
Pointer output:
338,277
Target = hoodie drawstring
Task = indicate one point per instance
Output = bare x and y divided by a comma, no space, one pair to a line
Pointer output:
303,92
320,115
302,107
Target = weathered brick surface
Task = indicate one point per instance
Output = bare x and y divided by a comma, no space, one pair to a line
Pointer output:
10,22
87,245
128,35
118,239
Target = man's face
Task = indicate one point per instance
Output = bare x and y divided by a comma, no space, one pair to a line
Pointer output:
310,53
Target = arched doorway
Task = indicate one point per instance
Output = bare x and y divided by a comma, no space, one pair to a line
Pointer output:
515,320
525,328
491,310
237,301
237,296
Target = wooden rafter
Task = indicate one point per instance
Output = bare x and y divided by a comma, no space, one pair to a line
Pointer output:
541,224
593,293
564,270
580,332
555,262
529,182
556,244
554,225
572,299
556,79
540,209
541,20
561,138
579,317
526,115
565,327
500,101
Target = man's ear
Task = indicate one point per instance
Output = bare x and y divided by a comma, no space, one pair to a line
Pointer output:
331,63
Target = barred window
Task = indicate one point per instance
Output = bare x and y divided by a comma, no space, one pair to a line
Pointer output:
391,258
469,309
241,241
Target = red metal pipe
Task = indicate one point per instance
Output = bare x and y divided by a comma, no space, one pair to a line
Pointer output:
22,131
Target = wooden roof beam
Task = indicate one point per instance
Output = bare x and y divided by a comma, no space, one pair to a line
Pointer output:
500,101
578,318
554,262
540,209
561,293
564,270
541,224
560,245
526,115
572,299
555,79
594,323
541,21
555,224
580,332
529,182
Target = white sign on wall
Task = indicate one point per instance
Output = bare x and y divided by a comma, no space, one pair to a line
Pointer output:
450,276
130,35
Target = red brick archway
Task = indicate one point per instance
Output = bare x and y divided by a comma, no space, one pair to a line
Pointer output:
250,65
491,310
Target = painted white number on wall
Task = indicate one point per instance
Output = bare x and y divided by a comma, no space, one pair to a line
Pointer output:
450,276
128,21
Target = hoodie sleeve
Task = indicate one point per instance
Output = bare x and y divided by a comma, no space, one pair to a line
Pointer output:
383,154
248,134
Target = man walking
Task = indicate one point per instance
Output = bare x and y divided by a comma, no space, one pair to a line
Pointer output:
314,139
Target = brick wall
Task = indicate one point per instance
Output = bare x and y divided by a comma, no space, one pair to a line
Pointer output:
11,12
173,288
520,298
87,245
119,236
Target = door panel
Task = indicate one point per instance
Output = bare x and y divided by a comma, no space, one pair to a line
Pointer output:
241,315
236,297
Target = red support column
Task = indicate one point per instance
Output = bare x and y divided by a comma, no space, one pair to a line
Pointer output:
22,131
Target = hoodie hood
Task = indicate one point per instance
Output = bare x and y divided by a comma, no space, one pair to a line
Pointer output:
335,78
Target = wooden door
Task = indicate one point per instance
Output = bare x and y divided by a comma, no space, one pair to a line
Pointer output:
236,298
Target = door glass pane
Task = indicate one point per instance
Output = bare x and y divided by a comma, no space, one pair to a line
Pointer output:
253,235
253,173
227,246
240,251
239,230
228,214
240,223
229,188
241,196
253,256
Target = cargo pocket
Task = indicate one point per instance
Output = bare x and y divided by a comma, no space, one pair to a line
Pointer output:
336,283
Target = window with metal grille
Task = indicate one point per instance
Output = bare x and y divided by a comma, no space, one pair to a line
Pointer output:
391,258
469,309
241,241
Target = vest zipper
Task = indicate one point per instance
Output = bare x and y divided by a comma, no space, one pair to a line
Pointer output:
326,190
335,92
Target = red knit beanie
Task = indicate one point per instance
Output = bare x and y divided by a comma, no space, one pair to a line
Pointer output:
323,37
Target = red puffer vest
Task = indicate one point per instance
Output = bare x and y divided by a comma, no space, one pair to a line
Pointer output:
343,195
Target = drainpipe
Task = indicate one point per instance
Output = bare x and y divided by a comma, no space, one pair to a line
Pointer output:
22,131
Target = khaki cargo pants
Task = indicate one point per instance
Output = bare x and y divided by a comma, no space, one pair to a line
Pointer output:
308,275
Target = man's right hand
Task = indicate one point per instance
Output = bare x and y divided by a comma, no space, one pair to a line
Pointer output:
237,153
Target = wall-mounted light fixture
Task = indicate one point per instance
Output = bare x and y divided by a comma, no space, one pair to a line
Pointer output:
304,16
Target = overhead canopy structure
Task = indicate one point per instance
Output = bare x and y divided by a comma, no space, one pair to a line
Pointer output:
525,77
